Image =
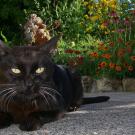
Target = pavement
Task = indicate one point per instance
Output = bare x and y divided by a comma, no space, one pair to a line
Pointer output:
115,117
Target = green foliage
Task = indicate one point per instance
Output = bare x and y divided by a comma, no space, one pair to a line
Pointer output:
68,13
76,55
82,23
12,16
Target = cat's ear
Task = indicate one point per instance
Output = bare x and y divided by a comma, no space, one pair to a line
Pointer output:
4,49
51,45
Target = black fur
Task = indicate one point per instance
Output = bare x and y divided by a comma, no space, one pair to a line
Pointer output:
31,98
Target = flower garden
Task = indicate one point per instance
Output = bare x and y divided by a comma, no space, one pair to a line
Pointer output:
98,35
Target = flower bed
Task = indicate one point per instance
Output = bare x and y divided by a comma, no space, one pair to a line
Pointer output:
113,54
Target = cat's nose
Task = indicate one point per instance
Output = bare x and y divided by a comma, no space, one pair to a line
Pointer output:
29,83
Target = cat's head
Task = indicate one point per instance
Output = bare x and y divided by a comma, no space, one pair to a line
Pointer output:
27,70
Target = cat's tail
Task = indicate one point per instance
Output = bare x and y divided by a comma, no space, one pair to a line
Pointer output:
91,100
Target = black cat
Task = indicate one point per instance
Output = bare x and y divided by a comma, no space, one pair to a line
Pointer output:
33,89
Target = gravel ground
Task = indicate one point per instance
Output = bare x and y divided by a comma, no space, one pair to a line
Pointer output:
115,117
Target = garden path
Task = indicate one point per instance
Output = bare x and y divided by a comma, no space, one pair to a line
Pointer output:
115,117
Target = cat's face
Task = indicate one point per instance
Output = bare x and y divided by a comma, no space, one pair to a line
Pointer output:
27,71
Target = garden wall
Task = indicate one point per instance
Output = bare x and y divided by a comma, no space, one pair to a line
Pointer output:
107,85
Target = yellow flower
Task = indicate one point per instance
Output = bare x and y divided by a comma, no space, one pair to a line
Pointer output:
102,26
88,29
113,31
106,32
90,7
94,18
86,16
85,3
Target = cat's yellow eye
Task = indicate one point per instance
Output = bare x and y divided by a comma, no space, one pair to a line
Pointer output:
16,70
40,70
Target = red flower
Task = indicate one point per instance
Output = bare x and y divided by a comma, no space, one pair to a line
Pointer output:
80,58
111,44
116,19
120,40
127,43
118,68
111,65
132,58
101,44
94,54
126,21
129,49
121,52
113,13
132,12
106,48
77,52
69,51
107,56
121,30
102,64
130,68
106,23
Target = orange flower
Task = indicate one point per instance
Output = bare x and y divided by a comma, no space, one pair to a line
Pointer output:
111,65
130,68
100,48
77,52
94,54
105,48
125,65
102,64
79,60
120,52
107,56
118,68
72,63
127,43
101,44
129,49
111,44
120,40
69,51
132,58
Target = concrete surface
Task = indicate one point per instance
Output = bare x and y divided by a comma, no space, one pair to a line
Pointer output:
115,117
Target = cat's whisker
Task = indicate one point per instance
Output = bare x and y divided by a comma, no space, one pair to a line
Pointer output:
53,98
7,84
4,98
35,103
2,91
44,97
10,98
53,90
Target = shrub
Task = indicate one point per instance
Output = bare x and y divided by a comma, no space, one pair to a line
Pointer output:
12,16
116,55
76,55
62,17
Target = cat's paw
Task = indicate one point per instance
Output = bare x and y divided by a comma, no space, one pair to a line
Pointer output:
5,120
30,125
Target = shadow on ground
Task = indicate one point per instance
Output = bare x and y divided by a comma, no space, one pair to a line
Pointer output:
115,117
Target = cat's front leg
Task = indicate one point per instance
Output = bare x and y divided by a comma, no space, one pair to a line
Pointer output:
30,124
5,120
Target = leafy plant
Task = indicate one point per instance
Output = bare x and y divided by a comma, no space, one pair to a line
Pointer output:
116,55
76,55
62,17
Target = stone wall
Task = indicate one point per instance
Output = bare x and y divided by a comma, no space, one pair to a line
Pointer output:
91,85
